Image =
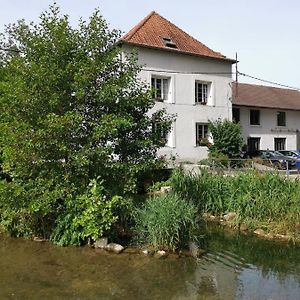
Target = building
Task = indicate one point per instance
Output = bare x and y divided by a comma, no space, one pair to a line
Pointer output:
269,116
188,79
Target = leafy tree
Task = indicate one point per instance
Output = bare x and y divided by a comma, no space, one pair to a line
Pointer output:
227,138
72,112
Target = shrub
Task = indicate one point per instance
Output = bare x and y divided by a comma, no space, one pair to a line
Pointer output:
165,222
227,138
87,217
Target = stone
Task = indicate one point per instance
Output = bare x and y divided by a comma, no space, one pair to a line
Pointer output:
243,227
230,216
101,243
38,239
282,237
259,232
160,254
146,252
165,189
113,247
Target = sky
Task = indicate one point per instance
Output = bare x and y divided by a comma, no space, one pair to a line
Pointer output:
265,34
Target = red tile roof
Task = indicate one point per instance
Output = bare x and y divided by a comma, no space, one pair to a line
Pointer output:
152,29
265,97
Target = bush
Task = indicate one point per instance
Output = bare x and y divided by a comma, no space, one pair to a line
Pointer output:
66,215
165,222
227,138
87,217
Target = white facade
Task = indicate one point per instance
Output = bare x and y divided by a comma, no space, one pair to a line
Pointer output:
181,72
268,130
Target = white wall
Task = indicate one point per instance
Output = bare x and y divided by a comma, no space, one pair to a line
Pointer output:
268,129
181,70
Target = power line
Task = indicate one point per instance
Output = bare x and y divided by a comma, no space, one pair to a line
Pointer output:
188,73
270,82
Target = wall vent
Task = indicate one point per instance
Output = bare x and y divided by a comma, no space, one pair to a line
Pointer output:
169,43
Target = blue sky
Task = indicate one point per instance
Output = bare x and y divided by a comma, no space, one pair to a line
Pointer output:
264,33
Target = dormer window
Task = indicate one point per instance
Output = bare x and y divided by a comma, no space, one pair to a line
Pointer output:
169,43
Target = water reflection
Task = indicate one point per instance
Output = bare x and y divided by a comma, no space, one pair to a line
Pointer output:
235,267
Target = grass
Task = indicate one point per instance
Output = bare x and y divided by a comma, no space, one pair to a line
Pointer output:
268,201
165,222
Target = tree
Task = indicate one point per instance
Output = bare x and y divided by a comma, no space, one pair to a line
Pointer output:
73,111
227,138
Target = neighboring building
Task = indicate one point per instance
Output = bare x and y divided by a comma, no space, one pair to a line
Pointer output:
269,116
189,80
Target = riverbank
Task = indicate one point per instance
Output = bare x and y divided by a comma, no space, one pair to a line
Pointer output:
266,204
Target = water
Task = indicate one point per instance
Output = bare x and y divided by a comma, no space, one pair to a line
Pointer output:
234,267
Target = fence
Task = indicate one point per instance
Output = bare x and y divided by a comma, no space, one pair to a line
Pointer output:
282,166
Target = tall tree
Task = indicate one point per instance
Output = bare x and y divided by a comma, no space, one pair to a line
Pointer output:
72,108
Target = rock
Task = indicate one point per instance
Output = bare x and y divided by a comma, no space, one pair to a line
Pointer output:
259,232
101,243
113,247
282,237
146,252
243,227
230,216
38,239
195,251
160,254
165,189
210,217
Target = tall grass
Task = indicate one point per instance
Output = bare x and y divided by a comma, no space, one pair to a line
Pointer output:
165,222
265,199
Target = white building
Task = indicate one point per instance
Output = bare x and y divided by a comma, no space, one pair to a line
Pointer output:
269,116
190,80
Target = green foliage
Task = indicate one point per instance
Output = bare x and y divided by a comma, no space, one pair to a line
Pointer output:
71,106
227,138
259,199
165,222
87,218
72,110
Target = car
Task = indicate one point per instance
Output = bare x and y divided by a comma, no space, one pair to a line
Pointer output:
290,153
275,158
294,154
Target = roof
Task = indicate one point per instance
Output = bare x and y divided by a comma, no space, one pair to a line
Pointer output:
265,96
154,31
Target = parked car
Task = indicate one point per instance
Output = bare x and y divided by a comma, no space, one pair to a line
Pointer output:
294,154
275,158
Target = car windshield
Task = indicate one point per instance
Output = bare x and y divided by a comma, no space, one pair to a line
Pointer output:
277,153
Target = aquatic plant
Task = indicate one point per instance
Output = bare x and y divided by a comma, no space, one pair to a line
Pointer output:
259,199
165,222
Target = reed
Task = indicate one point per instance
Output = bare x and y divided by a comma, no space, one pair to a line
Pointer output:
165,222
265,199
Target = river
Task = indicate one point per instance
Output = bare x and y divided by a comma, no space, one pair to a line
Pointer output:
234,267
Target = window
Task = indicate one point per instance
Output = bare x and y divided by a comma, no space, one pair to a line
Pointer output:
254,117
201,92
279,144
235,114
281,118
160,88
253,144
201,134
160,132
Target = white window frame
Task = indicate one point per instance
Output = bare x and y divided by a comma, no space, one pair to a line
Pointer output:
160,94
204,132
201,97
